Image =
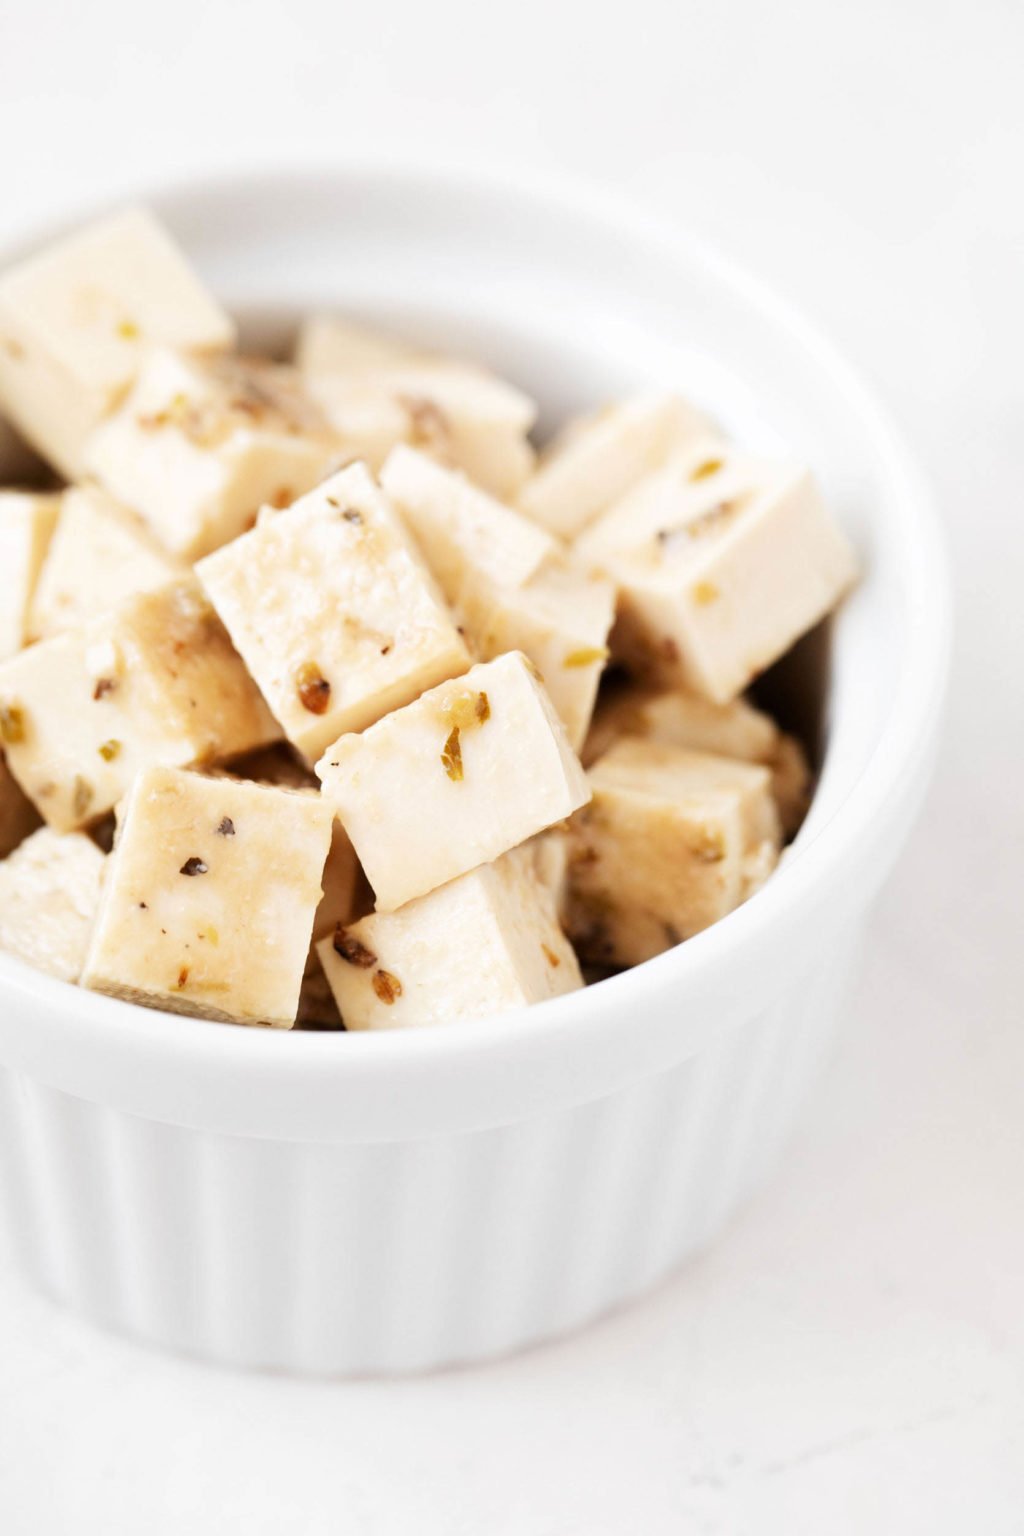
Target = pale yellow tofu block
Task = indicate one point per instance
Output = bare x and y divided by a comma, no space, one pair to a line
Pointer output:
560,619
332,344
595,460
550,852
486,942
334,611
671,841
49,893
18,816
156,680
99,555
199,446
377,393
735,729
468,771
27,522
722,562
209,898
77,319
463,532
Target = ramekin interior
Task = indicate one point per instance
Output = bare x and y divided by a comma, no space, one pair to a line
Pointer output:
580,298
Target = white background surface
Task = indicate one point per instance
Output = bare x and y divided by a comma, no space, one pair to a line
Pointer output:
851,1357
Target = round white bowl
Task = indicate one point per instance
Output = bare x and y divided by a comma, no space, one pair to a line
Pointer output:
380,1203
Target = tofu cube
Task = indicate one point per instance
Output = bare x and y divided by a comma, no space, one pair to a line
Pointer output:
77,319
331,345
550,852
671,841
198,447
49,893
597,459
99,555
154,681
209,898
735,730
18,816
468,771
26,527
377,393
463,532
560,619
334,612
486,942
722,562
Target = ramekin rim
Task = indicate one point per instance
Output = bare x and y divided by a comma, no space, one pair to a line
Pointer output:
926,587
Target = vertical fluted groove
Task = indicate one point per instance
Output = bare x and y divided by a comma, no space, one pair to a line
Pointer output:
400,1256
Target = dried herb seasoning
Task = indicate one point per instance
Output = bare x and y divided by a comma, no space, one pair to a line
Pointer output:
349,948
704,593
82,796
451,757
386,986
313,688
586,656
12,724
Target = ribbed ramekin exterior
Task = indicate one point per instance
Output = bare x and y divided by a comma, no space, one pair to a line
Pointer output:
400,1256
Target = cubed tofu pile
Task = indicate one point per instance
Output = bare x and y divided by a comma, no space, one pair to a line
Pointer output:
397,720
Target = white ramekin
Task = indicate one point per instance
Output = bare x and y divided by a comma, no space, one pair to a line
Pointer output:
332,1203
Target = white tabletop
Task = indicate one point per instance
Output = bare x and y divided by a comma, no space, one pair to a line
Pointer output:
850,1357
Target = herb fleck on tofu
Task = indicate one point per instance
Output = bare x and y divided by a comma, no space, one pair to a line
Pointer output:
12,724
466,708
226,827
550,956
428,425
109,750
709,847
451,757
104,685
586,656
194,866
313,688
350,949
705,470
704,593
82,796
386,986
